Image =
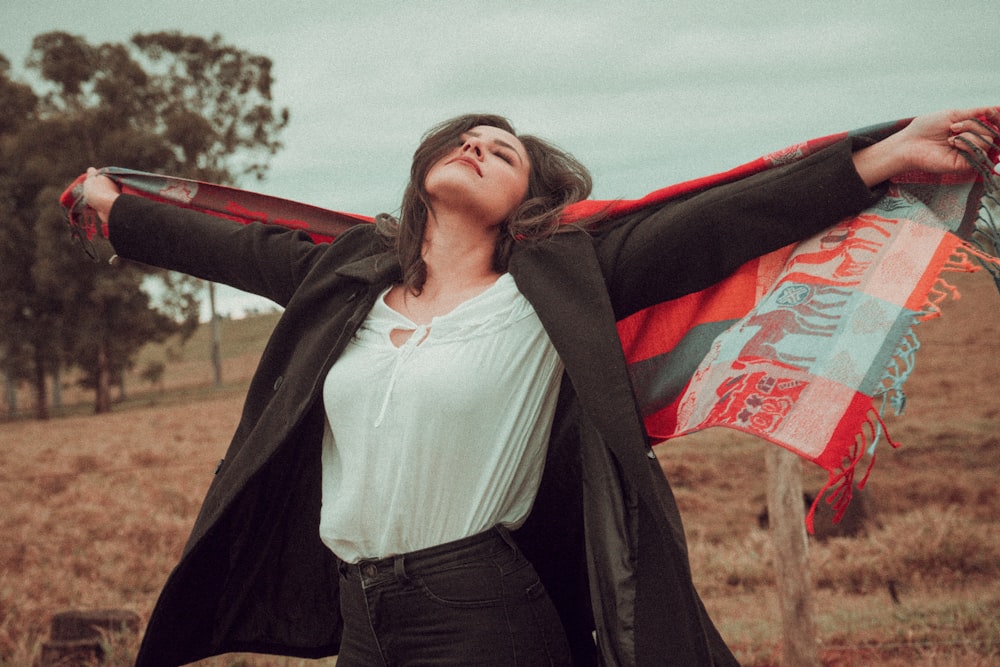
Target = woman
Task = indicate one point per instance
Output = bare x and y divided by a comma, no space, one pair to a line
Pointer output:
440,460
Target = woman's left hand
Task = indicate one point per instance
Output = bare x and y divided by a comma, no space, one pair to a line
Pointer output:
938,141
941,142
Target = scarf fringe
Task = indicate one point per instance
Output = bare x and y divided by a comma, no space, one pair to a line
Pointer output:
986,253
842,480
896,373
985,239
893,396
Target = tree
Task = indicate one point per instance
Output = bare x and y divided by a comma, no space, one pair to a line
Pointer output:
19,314
215,104
209,124
19,105
164,102
17,100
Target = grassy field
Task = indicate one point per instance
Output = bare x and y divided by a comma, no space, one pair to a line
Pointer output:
97,508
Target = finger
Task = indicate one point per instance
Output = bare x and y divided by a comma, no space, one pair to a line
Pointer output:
974,147
976,157
978,137
977,126
973,153
992,113
991,129
982,116
978,134
93,172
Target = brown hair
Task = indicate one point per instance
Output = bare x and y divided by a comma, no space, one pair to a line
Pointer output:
556,180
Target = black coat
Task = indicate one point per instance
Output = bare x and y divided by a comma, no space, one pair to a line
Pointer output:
605,533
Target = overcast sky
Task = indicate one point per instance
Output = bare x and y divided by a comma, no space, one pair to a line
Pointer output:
644,93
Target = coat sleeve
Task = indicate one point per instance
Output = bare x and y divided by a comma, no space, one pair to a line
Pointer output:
686,245
266,260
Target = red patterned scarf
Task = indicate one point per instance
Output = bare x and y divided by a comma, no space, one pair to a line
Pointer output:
806,347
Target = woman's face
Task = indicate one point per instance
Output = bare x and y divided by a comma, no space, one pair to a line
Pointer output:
486,177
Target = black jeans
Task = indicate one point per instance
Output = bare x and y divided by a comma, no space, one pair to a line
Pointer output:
475,601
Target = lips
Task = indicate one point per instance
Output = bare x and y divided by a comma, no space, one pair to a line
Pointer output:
468,161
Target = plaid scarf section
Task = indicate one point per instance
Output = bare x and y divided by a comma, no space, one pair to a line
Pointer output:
807,347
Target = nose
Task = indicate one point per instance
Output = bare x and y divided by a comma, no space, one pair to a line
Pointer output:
473,146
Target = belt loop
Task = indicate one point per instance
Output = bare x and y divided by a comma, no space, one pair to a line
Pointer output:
399,569
507,537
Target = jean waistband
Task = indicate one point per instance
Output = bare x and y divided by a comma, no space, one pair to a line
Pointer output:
423,560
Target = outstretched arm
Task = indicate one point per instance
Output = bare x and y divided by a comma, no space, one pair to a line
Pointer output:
935,143
268,260
684,246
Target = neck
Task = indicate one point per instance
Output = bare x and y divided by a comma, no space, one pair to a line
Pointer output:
458,253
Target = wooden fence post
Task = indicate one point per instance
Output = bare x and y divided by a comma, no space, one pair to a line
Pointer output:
786,518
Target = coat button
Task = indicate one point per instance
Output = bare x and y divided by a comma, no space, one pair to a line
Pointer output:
369,570
278,381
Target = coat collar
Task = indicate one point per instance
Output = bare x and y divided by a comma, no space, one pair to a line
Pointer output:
563,280
379,268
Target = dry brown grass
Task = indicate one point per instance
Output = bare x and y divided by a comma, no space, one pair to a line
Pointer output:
96,511
937,542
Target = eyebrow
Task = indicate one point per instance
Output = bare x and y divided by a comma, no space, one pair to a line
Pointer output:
500,142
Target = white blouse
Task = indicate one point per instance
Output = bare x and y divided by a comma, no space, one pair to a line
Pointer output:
442,437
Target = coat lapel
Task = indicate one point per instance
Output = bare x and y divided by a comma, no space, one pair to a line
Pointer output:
562,279
313,330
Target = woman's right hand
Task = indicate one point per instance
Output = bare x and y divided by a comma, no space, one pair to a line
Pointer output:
100,193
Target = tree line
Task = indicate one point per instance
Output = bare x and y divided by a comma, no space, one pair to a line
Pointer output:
163,102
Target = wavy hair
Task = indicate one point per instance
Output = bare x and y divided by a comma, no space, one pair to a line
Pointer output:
556,179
